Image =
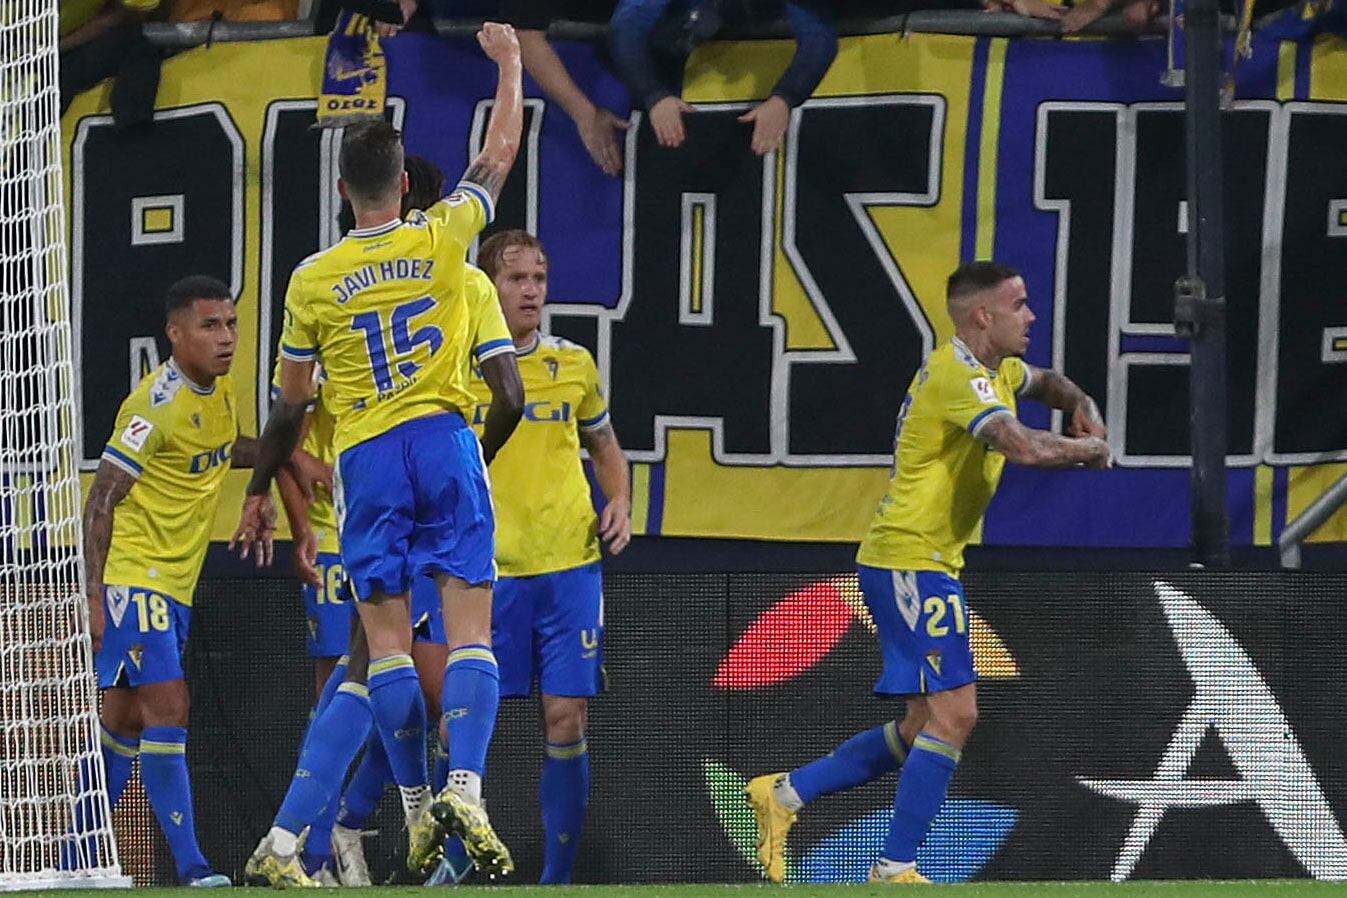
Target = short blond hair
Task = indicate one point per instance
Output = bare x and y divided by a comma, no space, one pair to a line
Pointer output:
494,247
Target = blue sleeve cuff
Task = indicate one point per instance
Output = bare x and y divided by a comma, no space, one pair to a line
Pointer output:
976,424
483,196
298,353
123,461
595,422
492,348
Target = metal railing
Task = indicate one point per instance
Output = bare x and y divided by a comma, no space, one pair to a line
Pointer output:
1310,520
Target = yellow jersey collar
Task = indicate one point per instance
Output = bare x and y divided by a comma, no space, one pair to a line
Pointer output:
174,372
387,227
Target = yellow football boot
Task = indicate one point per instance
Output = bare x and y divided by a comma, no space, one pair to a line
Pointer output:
774,822
470,823
425,843
909,877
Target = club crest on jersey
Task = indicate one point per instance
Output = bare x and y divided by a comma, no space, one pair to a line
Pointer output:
137,431
196,420
552,366
983,388
118,598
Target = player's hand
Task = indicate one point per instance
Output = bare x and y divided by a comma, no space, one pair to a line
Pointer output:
1083,14
1085,421
666,118
615,525
499,42
769,118
97,618
257,527
306,558
1100,457
388,29
598,132
310,473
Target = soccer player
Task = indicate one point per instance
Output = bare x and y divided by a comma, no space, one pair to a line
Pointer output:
547,622
384,309
956,429
147,525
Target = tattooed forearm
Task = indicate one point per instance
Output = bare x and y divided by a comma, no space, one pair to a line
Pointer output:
110,486
1039,448
278,440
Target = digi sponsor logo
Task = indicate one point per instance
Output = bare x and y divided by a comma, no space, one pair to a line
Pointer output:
792,637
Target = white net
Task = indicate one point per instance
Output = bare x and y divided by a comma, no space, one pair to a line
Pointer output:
48,728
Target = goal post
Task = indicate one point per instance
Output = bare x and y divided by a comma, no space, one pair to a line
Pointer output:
48,722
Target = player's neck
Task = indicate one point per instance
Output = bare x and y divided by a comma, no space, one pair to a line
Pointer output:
198,379
981,349
527,340
373,218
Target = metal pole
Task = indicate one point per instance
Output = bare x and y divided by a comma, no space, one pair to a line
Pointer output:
1200,304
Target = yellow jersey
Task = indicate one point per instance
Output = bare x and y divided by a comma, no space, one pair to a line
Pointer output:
318,442
383,310
175,438
943,475
488,334
545,517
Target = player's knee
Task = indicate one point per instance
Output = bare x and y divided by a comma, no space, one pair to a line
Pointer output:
961,719
169,708
564,719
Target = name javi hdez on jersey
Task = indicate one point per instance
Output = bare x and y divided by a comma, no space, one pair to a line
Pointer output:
175,438
545,517
385,308
943,476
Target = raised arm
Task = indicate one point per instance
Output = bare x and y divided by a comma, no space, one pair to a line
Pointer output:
614,476
1060,392
597,126
503,133
1039,448
110,486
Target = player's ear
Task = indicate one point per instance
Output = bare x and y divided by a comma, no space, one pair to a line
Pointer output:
341,188
406,183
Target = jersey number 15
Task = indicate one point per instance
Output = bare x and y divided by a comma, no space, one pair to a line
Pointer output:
405,340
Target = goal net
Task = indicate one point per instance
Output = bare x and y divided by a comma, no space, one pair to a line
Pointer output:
51,834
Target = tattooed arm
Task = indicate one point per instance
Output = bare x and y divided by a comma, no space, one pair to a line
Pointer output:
111,484
1039,448
491,166
614,476
1059,391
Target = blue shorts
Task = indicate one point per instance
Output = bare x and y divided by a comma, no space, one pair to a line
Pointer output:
144,639
922,621
551,627
328,609
427,612
413,501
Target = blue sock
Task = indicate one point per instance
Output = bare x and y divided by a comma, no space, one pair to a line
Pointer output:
471,698
80,851
333,682
864,757
922,785
366,786
563,794
333,741
400,718
163,769
318,846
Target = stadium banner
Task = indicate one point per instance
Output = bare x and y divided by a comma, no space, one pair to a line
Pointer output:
757,320
1132,726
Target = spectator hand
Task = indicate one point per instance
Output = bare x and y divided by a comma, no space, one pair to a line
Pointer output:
769,118
1030,9
1083,14
666,117
388,29
499,43
598,131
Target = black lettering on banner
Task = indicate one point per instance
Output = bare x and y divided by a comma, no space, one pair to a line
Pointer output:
1083,198
1311,323
841,403
517,207
150,206
709,198
1155,382
300,205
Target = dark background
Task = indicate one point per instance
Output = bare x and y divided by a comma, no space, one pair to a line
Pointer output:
1101,689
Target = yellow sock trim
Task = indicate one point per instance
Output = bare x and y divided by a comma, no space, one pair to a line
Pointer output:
473,654
162,748
935,745
894,741
392,662
357,689
114,746
567,752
